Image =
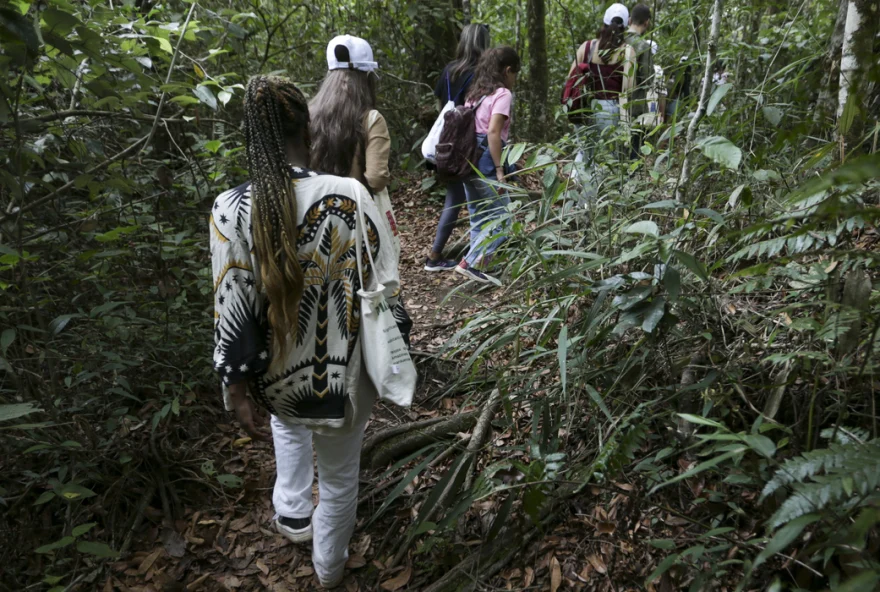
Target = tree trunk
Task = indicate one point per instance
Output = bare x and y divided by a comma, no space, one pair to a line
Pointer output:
831,66
705,91
849,66
536,16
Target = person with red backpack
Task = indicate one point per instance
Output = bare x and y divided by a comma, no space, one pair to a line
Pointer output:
602,76
491,100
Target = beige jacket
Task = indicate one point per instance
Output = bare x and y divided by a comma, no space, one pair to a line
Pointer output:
378,151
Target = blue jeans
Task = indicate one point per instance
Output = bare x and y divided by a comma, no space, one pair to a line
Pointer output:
455,198
486,204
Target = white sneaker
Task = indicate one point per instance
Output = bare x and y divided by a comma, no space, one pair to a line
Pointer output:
298,530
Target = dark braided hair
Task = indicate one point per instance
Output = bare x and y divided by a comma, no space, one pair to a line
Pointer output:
275,113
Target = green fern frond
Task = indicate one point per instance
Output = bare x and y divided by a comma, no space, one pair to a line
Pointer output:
849,470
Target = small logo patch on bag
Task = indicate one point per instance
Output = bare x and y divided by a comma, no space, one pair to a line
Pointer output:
395,369
392,222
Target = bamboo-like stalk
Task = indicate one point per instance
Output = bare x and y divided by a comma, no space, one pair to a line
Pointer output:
705,92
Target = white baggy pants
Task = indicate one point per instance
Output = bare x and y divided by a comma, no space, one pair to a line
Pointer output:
338,465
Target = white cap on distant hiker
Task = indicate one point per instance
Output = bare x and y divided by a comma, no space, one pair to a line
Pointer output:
350,53
616,10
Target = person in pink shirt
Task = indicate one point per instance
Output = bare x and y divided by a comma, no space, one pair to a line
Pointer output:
487,204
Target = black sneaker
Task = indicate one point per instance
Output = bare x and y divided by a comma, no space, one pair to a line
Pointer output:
439,264
298,530
475,274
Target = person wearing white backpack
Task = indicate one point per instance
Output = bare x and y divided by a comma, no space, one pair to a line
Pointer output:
304,268
451,90
350,137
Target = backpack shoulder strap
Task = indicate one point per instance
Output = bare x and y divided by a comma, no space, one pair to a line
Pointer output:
463,86
448,87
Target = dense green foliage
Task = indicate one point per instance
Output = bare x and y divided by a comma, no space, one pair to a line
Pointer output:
747,302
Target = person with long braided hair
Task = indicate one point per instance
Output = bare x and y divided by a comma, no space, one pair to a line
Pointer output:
287,317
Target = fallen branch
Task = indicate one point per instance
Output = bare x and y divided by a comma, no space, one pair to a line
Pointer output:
414,438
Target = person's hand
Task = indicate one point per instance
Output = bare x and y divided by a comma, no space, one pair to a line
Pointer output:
499,173
246,413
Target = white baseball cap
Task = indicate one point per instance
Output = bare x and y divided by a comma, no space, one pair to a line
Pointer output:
616,10
360,54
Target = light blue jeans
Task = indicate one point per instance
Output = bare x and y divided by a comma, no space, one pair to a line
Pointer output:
486,204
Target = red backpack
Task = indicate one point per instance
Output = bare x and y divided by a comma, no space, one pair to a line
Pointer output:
578,91
457,147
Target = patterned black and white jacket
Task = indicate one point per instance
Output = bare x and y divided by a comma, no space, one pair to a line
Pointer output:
320,384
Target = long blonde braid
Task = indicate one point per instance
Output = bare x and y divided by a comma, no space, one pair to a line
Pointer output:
275,113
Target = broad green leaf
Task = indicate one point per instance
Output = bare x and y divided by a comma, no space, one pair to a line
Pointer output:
59,544
662,568
83,528
59,323
45,497
865,581
702,467
598,400
761,444
164,45
16,410
734,196
206,96
784,537
665,544
672,282
96,549
515,153
654,314
691,263
213,146
643,227
185,100
74,491
850,110
773,115
229,480
562,355
696,419
721,150
224,96
6,339
720,91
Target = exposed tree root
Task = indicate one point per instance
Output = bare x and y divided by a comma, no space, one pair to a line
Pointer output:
399,441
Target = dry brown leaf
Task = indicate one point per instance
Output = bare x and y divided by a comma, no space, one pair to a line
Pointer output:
303,571
195,584
355,562
529,577
149,560
606,527
261,565
598,563
398,581
351,586
624,486
555,574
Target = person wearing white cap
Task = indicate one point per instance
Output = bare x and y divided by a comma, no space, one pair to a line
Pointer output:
611,63
639,106
350,137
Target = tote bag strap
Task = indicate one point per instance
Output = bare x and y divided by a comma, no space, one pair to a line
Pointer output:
360,235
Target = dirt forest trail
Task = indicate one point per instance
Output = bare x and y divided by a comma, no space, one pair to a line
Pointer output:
224,538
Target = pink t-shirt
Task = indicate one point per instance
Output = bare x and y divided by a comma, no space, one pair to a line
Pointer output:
497,102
